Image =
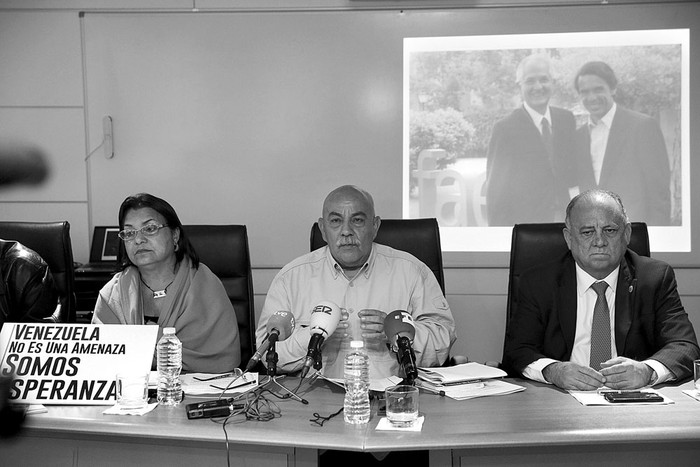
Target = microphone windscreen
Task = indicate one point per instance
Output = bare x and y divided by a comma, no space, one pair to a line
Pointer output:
20,164
283,321
324,318
399,323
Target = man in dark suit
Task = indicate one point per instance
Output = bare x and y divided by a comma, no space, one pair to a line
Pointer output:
559,334
621,150
530,153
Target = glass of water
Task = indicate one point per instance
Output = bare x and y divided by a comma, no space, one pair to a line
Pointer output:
402,405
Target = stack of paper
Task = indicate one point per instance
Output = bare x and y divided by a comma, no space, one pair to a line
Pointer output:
466,381
458,374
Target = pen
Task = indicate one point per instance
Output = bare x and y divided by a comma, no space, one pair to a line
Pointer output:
433,391
459,383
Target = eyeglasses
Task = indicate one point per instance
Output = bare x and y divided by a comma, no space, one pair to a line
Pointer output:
149,230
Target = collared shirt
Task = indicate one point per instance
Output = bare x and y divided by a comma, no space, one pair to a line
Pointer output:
599,140
390,280
586,298
538,117
585,303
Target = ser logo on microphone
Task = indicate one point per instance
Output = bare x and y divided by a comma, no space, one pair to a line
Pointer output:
322,308
404,317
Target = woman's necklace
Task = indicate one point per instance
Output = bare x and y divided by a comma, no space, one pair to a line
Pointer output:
157,293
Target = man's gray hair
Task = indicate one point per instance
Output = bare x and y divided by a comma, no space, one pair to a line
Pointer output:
537,57
590,195
347,188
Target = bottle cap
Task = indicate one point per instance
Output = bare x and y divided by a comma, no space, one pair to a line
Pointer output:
168,330
356,344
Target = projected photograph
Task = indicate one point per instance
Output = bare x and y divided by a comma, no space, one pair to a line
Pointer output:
501,130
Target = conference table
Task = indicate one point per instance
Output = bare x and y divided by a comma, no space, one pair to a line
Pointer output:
541,425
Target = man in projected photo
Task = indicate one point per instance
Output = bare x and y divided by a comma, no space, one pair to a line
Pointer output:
621,150
530,153
601,315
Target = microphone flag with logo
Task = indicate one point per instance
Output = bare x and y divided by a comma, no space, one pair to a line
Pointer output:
400,329
324,319
279,327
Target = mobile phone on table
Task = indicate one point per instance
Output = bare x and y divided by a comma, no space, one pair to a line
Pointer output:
213,408
632,396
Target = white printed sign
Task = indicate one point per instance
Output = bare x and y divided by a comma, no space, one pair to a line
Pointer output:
72,363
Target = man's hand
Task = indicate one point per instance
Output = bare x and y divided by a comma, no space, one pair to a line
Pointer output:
341,330
568,375
372,325
625,373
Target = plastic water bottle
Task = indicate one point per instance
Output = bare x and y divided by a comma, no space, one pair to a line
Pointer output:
169,366
356,408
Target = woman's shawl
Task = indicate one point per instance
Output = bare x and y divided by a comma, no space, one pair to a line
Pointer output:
196,306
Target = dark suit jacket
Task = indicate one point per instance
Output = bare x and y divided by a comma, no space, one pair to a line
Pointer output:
522,185
27,290
650,321
635,166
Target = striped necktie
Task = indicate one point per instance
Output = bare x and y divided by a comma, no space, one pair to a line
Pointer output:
600,328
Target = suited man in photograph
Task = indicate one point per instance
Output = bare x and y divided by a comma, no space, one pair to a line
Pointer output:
621,150
530,153
600,315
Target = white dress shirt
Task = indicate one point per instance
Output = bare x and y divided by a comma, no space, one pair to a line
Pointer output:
538,117
600,132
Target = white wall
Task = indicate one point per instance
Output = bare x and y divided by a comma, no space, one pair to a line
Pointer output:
41,100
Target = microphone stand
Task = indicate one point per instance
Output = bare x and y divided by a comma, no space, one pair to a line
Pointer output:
318,359
313,356
271,359
407,360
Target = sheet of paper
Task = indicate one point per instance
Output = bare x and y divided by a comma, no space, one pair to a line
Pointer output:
118,410
596,398
35,409
692,393
379,385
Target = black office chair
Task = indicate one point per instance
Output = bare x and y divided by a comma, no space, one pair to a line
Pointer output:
535,244
51,240
224,249
420,237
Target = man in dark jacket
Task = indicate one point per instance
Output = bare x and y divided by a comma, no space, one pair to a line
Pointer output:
621,150
27,290
529,174
601,315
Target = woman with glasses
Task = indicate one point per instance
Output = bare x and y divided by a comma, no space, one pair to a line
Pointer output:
161,281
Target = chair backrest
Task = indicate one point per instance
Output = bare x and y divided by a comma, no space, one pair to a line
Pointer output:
224,249
51,240
420,237
534,244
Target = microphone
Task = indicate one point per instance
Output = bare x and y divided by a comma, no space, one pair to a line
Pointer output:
21,164
279,327
399,328
324,319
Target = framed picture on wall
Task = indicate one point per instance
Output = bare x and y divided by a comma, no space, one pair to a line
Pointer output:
472,155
